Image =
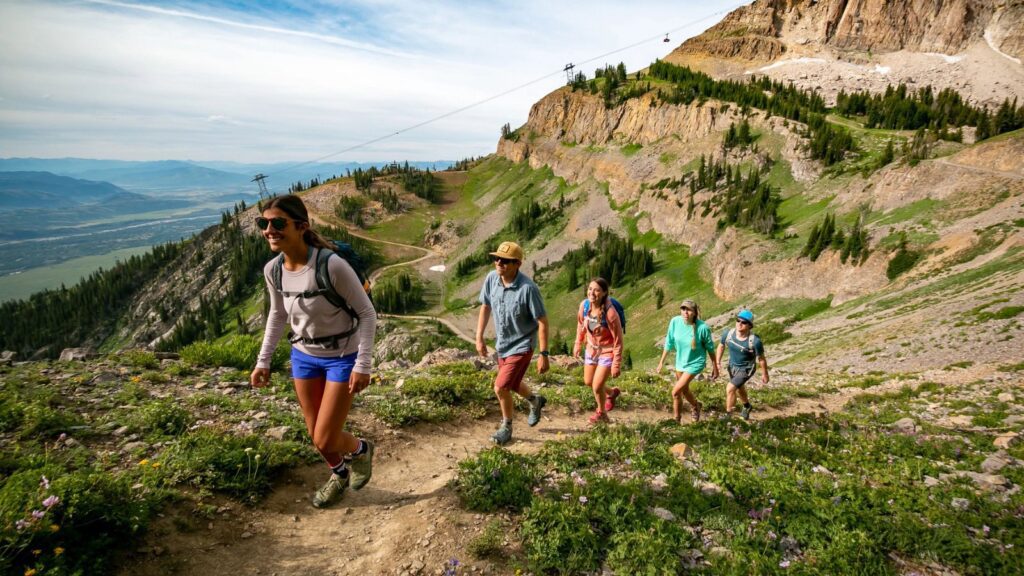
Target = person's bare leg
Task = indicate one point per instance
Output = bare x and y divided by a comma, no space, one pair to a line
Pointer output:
600,393
329,435
730,397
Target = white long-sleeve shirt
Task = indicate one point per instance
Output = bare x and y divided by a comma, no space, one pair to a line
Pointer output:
316,317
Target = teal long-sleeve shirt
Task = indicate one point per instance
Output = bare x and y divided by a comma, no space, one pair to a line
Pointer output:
691,360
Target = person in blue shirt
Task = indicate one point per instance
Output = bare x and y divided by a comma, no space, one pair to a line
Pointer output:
691,339
520,322
746,352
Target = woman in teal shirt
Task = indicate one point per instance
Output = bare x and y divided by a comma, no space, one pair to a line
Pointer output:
691,338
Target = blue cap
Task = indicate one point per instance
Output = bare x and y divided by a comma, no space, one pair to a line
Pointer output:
746,315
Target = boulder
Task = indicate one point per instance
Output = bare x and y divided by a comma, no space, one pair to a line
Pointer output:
683,452
1006,397
996,462
445,356
80,354
7,357
1006,440
904,426
278,432
563,361
663,514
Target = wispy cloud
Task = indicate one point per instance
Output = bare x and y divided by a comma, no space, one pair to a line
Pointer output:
279,81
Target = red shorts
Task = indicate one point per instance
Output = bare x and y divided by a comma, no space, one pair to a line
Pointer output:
511,370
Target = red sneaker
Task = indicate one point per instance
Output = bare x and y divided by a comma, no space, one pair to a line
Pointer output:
599,418
609,403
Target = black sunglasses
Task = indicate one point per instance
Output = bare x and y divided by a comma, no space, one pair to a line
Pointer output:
278,222
504,261
744,322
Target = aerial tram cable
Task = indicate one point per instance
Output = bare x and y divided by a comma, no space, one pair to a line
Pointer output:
567,70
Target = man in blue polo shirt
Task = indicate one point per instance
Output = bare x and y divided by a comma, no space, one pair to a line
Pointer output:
746,353
519,320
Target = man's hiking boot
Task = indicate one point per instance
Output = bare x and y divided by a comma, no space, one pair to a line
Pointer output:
536,405
361,467
725,416
745,412
503,435
609,403
695,412
599,417
330,492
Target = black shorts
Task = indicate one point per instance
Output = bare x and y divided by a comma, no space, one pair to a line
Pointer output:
738,376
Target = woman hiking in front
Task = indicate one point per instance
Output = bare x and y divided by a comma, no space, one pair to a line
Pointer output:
599,331
691,338
332,350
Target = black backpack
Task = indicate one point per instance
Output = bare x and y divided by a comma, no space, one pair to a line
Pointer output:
325,288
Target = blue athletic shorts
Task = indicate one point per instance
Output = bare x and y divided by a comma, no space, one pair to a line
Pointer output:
334,368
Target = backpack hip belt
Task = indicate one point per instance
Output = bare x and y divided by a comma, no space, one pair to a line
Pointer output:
332,339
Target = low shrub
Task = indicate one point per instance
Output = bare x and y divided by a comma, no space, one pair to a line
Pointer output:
138,359
238,465
557,537
238,351
496,479
67,522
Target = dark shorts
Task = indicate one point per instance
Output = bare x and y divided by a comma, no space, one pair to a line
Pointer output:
738,376
333,368
511,370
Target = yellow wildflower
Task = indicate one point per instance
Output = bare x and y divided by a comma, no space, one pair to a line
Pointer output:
58,551
144,461
155,464
30,572
54,527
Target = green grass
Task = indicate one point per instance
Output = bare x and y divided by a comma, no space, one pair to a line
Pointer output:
802,494
630,149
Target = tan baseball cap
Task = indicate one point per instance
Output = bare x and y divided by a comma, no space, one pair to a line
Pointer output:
688,304
509,251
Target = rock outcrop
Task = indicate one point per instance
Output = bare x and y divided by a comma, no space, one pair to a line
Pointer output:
765,30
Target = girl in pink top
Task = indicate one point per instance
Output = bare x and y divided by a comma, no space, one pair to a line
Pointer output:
599,331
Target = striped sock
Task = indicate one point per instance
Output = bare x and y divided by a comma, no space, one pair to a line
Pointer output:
341,469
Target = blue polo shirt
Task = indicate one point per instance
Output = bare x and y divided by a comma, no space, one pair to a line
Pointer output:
516,309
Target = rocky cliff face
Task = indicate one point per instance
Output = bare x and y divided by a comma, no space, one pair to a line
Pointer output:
973,46
765,29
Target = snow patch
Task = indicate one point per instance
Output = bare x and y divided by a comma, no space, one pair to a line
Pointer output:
882,69
949,59
992,45
804,60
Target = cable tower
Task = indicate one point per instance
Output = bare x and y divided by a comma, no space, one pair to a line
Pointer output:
258,179
568,72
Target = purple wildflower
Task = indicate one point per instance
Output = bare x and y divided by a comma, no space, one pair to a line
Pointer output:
38,514
21,524
985,529
583,499
784,564
51,501
44,483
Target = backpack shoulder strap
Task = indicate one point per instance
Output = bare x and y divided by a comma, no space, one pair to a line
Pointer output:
586,306
275,272
326,287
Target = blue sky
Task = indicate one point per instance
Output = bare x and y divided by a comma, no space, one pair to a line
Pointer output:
294,81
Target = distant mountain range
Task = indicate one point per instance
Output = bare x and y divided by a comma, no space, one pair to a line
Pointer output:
185,175
19,190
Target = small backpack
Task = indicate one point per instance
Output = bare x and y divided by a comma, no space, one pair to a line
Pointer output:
750,341
604,321
324,286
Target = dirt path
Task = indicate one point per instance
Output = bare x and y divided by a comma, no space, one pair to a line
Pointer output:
406,518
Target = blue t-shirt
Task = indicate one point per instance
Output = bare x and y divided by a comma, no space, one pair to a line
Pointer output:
742,352
680,336
516,309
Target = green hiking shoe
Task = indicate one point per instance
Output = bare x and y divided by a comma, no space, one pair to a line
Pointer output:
535,408
361,467
745,412
503,435
330,492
